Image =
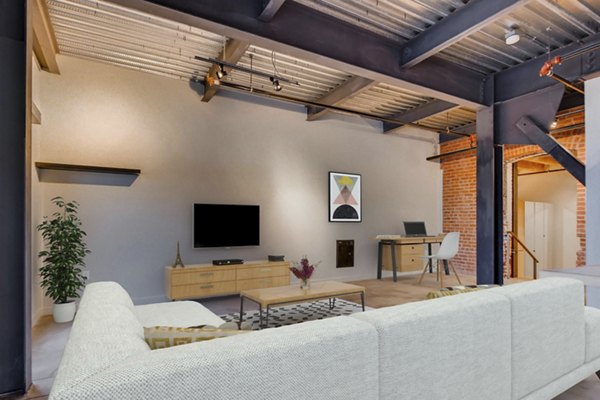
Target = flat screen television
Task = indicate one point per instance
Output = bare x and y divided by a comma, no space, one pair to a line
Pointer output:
226,225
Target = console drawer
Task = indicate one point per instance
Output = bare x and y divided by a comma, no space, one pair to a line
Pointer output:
262,272
192,277
262,283
202,290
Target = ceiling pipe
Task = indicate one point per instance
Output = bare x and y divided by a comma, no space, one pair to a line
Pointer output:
548,70
278,96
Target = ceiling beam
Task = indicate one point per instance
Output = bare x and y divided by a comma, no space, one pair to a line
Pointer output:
302,32
458,25
418,113
348,89
234,50
45,47
524,78
270,8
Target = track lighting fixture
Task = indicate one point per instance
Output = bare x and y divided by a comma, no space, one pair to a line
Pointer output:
276,84
512,37
222,64
221,72
553,125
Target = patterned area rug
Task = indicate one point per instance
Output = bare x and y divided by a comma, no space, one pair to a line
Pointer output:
297,313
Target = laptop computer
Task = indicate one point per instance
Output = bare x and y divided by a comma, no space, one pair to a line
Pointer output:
415,228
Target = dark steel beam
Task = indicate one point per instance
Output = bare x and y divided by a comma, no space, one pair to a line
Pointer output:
348,89
270,8
524,78
487,206
418,113
540,137
308,34
15,53
458,25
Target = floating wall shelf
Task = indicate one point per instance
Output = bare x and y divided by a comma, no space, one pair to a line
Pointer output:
86,174
87,168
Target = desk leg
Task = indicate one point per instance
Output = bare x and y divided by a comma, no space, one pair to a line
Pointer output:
362,301
260,317
430,262
241,312
446,269
394,265
379,259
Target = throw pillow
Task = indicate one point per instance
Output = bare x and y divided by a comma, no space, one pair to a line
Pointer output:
159,337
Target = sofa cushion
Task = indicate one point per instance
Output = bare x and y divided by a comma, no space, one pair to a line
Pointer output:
454,347
330,359
592,333
180,314
160,337
102,293
548,331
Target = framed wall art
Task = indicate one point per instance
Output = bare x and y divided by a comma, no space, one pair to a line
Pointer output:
344,197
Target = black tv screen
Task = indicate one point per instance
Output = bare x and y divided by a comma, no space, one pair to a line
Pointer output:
226,225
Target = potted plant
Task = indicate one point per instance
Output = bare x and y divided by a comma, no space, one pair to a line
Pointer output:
61,272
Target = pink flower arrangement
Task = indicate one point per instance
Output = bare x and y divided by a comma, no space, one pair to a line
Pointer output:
303,270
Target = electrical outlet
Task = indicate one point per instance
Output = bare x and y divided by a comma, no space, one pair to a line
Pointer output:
86,274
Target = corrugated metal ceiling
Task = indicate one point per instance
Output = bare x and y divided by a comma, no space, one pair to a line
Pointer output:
544,25
101,31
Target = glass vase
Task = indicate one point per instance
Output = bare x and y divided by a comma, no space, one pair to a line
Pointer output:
305,284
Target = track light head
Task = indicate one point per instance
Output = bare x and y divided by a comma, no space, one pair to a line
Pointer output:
276,84
221,72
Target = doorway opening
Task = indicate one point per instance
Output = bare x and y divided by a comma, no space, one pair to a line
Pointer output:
544,216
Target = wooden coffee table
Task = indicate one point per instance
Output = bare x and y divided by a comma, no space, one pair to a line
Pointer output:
269,297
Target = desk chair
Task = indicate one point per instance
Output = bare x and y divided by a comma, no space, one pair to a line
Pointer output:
446,253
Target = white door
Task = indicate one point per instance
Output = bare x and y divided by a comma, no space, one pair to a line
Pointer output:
538,229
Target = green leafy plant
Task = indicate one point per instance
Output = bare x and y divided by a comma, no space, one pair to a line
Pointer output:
62,259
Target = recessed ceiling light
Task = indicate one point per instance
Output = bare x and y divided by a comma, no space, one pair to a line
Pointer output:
512,37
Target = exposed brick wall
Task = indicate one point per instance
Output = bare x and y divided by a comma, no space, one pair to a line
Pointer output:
459,188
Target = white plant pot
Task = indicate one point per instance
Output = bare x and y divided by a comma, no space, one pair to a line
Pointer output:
64,312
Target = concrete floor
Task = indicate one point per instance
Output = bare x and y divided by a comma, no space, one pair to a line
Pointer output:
49,338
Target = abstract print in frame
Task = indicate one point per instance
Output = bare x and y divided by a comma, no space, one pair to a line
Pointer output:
344,197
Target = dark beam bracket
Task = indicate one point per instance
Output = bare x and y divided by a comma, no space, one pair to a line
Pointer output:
418,113
270,8
537,135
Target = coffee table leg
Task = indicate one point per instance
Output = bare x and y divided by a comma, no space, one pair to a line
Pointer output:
241,312
362,300
267,321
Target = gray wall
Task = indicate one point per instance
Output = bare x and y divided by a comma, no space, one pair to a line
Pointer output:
230,150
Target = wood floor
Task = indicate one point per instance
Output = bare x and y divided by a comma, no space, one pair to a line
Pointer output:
49,339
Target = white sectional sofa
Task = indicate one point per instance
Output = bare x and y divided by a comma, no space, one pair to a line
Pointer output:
524,341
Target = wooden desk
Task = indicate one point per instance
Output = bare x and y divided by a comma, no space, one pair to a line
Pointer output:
397,240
